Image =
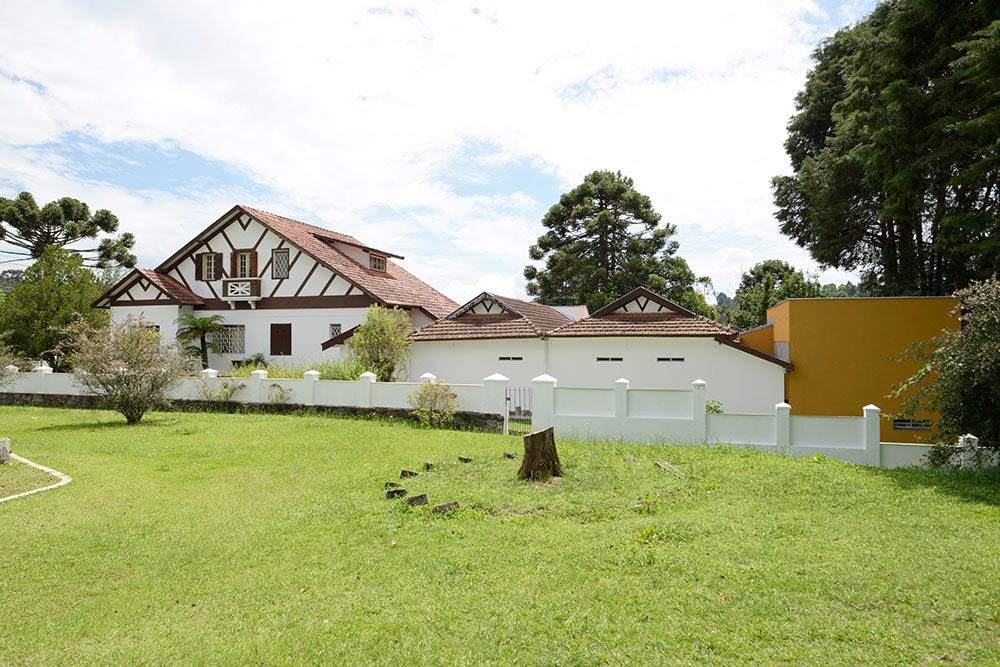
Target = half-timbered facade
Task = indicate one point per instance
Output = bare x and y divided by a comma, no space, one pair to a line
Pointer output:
283,287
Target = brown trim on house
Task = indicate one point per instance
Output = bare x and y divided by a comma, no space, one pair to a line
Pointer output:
199,240
263,234
333,276
650,296
757,353
180,278
338,340
308,276
146,302
356,301
222,232
384,253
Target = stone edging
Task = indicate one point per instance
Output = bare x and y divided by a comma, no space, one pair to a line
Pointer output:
63,479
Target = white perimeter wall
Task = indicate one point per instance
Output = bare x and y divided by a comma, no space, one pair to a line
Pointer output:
742,382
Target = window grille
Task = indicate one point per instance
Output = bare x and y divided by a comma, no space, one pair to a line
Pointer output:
335,330
231,340
609,358
376,263
279,264
510,358
670,358
911,424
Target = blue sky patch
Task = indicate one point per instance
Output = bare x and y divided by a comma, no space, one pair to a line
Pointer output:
146,166
478,171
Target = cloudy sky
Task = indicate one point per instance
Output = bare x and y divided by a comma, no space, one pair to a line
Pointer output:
442,131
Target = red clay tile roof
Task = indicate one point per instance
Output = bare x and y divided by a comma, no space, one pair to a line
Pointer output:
171,288
395,287
518,319
669,320
643,324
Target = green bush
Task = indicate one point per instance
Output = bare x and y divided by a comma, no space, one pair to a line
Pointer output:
434,404
347,368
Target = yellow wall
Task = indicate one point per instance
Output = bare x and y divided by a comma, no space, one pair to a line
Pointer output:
845,352
760,339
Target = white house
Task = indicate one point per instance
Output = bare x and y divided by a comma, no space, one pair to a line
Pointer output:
642,337
285,288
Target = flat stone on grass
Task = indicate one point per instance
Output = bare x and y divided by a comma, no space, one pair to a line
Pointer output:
417,500
464,459
446,507
395,493
404,473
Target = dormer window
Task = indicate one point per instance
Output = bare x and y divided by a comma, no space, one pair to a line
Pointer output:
376,262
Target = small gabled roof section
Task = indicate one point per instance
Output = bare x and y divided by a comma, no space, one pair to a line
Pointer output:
393,287
493,316
176,293
643,313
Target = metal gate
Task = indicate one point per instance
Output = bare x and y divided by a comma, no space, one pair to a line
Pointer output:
517,421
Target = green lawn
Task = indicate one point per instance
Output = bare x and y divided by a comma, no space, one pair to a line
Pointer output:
262,539
17,477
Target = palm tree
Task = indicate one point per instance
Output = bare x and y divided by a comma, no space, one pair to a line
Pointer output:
197,329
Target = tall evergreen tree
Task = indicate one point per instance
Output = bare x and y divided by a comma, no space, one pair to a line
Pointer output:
895,148
62,223
604,239
56,291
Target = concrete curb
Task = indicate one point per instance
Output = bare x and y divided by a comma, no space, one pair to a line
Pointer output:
63,479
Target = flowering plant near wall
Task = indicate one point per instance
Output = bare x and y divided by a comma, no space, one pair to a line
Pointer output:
278,395
225,392
127,363
434,404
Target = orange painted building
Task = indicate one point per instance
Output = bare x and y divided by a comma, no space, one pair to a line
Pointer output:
845,353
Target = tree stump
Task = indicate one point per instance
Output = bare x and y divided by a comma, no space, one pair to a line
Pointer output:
541,460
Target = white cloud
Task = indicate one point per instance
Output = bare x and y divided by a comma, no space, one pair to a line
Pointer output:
340,109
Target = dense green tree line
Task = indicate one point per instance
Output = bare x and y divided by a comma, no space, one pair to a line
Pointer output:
895,148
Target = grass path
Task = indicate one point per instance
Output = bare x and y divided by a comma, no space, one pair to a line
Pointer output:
262,539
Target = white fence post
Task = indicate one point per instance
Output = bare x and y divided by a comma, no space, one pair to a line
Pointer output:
365,389
4,450
310,387
495,397
621,398
428,377
543,401
873,436
257,379
12,369
699,422
782,427
42,370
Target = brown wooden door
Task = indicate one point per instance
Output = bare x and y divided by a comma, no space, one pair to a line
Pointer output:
281,339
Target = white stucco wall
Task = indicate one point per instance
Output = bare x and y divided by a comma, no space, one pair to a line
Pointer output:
310,329
164,317
741,382
469,361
